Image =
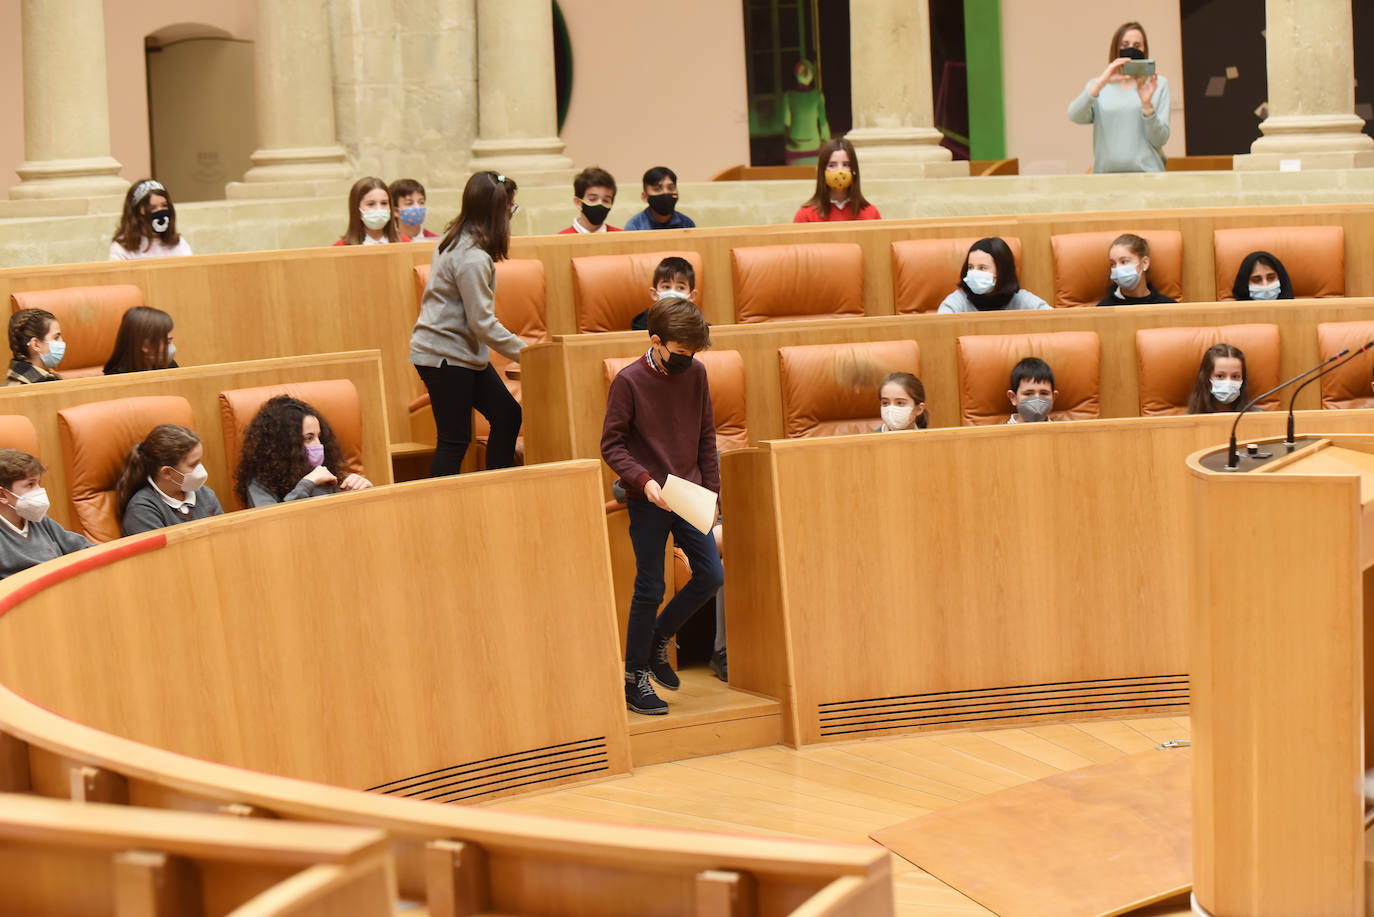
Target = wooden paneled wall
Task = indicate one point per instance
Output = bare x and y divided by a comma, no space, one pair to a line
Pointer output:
201,385
257,305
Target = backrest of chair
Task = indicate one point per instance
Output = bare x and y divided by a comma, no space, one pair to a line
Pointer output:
776,283
17,432
89,317
1348,386
421,272
725,375
832,389
925,271
1168,359
1313,256
1082,275
96,438
335,399
610,290
985,362
520,303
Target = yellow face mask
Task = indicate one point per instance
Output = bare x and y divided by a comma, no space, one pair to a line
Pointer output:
839,179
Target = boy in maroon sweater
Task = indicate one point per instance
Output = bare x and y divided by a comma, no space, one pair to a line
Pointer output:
659,422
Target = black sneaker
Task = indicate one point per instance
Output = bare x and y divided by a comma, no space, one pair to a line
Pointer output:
640,696
718,666
658,663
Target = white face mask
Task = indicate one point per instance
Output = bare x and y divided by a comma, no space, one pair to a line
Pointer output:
33,506
193,480
376,219
897,416
673,294
1225,390
1266,292
980,282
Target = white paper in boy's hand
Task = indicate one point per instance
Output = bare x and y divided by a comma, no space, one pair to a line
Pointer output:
691,501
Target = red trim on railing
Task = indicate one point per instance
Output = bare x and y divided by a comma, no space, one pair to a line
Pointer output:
86,560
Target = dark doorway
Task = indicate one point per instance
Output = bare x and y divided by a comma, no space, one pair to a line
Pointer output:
1225,79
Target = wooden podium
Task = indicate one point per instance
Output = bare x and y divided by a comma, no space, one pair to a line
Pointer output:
1284,548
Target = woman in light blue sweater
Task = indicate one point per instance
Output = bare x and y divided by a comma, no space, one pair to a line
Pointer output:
1130,116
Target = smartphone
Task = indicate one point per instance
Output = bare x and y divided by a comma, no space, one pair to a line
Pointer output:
1142,69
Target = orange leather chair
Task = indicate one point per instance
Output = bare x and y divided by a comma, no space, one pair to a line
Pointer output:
17,432
925,271
95,442
985,362
1349,386
335,399
89,317
1081,273
725,375
1313,256
778,283
819,397
520,305
1168,358
610,290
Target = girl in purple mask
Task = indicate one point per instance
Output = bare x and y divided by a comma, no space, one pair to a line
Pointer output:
288,453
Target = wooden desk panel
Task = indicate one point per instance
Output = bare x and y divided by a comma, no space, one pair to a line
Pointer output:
201,385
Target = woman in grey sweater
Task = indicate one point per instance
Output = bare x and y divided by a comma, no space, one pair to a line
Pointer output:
988,282
457,325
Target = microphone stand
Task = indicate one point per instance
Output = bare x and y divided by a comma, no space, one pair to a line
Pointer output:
1232,455
1290,441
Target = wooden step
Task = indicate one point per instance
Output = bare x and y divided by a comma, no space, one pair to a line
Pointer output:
705,717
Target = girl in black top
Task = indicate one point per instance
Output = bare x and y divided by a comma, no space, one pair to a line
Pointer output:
1129,258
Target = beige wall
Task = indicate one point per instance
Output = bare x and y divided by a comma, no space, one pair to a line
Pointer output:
656,84
1050,49
12,99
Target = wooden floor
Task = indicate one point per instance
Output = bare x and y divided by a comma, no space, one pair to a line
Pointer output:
845,791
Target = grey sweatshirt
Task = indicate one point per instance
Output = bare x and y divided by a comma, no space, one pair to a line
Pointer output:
148,511
261,496
458,313
46,540
958,301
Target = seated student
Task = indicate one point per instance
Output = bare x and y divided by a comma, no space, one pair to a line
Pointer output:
660,193
838,197
1261,276
28,536
1129,259
148,225
36,347
902,404
369,215
594,195
1220,385
163,482
989,282
144,342
408,207
674,277
288,450
1032,391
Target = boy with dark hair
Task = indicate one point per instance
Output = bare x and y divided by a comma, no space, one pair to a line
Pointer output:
594,195
1031,391
659,422
27,536
660,193
673,277
408,208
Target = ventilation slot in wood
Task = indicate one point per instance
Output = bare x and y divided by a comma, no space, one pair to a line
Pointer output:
504,773
1006,704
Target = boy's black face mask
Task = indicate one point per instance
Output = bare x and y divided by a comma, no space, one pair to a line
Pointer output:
677,363
595,213
663,204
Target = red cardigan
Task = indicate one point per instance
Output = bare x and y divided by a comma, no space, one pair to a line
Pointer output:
809,214
573,229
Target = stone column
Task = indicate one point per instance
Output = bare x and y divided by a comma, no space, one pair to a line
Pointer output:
1311,59
298,153
66,103
894,115
517,108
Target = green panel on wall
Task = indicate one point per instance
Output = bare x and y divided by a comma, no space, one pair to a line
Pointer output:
983,52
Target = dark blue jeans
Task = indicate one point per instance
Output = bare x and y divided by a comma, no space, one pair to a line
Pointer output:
649,530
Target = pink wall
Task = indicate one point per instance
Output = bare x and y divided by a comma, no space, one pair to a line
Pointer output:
656,84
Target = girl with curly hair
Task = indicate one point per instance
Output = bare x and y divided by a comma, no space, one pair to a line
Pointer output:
288,451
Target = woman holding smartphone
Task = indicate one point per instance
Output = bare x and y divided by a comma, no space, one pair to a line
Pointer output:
1128,107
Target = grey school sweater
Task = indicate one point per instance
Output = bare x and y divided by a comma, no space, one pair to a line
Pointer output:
458,313
148,511
46,540
258,495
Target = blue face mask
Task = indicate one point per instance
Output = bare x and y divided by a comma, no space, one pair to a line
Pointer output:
413,216
1125,276
1266,292
980,282
56,349
171,352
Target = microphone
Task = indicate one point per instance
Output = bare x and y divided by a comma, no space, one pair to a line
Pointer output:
1232,456
1289,440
